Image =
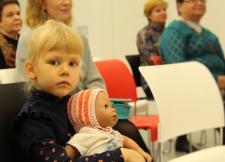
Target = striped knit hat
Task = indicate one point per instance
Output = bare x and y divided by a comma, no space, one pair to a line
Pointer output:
81,109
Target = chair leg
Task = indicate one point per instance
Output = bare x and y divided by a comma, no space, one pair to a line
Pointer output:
215,137
190,142
151,145
221,136
159,153
203,139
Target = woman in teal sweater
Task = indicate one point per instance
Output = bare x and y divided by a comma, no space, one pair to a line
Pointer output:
186,40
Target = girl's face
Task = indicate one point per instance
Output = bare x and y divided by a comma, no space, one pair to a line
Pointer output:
158,14
56,72
11,22
58,9
192,10
105,113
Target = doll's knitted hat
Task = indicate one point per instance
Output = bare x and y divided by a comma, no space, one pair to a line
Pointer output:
81,109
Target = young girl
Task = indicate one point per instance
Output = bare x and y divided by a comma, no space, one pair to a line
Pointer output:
92,116
37,13
42,128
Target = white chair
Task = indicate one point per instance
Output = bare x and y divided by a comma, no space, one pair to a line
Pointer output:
187,98
207,155
9,76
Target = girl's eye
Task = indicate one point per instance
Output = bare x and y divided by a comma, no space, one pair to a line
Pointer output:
106,106
9,14
73,64
54,62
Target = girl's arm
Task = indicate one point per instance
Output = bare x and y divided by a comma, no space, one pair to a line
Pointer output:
48,150
71,151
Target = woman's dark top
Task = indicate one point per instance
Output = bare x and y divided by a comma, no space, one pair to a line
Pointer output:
8,48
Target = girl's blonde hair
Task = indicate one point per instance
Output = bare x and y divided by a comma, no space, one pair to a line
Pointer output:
35,15
53,36
151,4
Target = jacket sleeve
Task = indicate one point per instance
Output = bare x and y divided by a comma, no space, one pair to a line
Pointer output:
47,150
38,142
22,52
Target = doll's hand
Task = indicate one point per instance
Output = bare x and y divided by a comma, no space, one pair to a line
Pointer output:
147,156
130,155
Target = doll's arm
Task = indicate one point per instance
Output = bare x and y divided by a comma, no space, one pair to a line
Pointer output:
131,144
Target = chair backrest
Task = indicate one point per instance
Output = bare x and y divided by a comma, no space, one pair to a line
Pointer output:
12,98
207,155
134,62
118,78
187,98
9,76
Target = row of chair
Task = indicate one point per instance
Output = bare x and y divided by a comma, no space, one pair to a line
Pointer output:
186,94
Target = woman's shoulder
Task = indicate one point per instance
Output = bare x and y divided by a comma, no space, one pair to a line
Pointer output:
143,30
178,28
177,25
209,33
25,30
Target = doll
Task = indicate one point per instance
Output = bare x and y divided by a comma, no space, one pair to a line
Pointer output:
92,116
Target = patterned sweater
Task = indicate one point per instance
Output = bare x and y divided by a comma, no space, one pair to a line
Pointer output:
148,40
7,51
179,42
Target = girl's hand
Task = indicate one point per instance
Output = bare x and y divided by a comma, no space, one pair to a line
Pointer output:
221,82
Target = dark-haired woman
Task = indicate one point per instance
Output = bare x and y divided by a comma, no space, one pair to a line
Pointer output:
10,26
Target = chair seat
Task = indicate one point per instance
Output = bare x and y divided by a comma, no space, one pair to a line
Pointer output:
215,153
147,122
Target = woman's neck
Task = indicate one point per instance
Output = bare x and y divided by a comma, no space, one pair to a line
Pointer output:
192,19
13,35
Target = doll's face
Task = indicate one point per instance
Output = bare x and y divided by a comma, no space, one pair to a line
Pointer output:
105,113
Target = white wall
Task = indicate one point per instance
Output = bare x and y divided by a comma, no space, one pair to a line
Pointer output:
111,25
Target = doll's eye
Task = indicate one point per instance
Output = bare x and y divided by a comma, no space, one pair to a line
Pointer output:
106,106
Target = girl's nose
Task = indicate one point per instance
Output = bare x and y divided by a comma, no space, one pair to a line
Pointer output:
64,71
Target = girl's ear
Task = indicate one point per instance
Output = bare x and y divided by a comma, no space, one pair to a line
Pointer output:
30,70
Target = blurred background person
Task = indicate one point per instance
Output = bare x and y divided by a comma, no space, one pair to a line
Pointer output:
187,40
148,38
10,26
